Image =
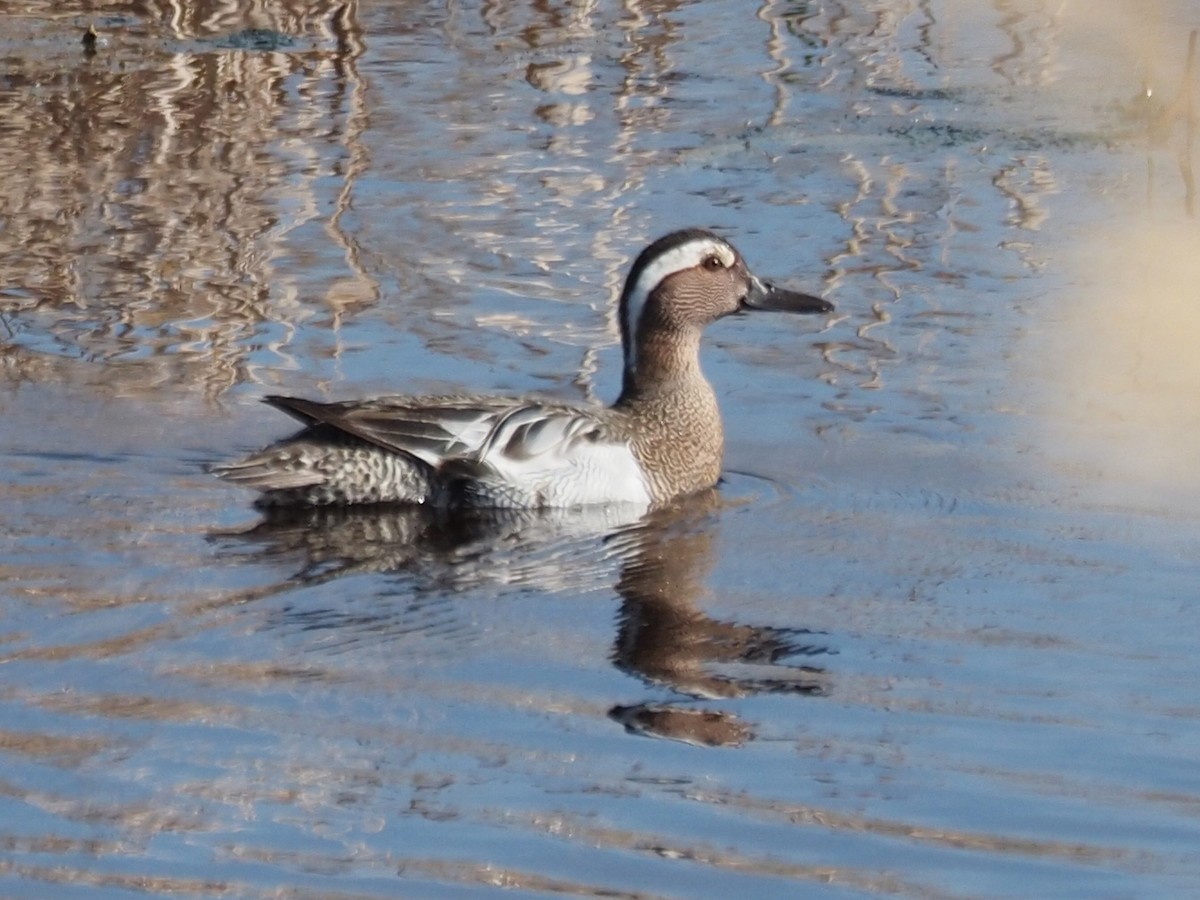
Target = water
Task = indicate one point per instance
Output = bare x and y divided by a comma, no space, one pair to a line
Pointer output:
933,637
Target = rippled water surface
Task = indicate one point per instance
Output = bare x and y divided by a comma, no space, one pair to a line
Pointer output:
935,635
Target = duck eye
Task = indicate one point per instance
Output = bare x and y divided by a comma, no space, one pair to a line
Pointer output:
713,262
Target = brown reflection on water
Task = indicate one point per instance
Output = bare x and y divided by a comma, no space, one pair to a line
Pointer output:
1034,30
63,750
150,188
824,819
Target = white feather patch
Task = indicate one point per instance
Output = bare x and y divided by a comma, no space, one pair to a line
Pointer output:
545,459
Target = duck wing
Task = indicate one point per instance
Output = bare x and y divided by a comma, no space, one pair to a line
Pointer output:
433,428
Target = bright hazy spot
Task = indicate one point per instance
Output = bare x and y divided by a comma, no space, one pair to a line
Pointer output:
1124,379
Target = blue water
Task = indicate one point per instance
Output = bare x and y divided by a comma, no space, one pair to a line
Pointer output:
934,636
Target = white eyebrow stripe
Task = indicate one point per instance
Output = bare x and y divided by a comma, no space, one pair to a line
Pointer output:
687,255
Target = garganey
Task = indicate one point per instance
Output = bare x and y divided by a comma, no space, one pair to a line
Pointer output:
661,439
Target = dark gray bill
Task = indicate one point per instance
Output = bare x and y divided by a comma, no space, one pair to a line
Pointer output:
764,295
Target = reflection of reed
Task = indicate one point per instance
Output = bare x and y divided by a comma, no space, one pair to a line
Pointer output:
1161,123
1125,378
1034,35
156,187
1189,114
1024,182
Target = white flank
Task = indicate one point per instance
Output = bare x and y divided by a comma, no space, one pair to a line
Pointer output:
586,475
677,259
552,459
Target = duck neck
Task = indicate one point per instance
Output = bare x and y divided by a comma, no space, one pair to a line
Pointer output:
672,416
665,362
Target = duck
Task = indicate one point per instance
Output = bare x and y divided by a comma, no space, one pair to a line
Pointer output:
660,440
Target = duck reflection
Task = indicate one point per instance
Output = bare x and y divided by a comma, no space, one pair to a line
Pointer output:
664,637
436,550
